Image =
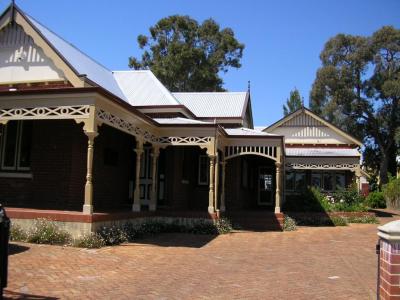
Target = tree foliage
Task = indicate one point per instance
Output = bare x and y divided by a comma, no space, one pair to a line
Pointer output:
188,56
293,103
358,89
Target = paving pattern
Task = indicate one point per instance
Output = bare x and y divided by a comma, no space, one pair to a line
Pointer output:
311,263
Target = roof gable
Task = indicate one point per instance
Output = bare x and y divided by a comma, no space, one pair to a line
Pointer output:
309,124
80,69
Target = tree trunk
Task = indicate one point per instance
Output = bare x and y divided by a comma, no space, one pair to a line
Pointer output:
383,169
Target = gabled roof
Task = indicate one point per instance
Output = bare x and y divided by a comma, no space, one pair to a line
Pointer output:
179,121
142,88
322,152
248,132
80,63
215,104
317,119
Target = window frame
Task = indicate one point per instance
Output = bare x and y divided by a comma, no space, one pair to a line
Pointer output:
205,157
17,149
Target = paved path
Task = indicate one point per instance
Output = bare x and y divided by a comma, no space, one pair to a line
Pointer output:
311,263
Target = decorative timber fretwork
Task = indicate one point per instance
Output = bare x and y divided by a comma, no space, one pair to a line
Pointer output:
332,166
266,151
190,140
57,112
128,127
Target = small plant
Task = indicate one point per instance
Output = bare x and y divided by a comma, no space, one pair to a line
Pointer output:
112,235
47,232
92,240
289,224
223,226
368,219
17,233
375,200
338,221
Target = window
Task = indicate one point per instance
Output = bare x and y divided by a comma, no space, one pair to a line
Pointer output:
300,181
203,170
290,181
316,180
16,146
328,181
340,181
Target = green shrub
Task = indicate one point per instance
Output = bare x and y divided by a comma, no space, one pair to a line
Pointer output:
354,207
391,192
112,235
223,226
368,219
289,224
17,233
348,196
375,200
92,240
311,200
47,232
338,221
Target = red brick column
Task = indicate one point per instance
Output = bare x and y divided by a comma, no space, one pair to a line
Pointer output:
389,261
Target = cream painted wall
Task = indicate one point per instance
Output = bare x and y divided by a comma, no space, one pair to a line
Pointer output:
310,135
22,61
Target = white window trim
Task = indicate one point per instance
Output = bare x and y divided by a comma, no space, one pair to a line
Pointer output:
16,175
17,154
199,171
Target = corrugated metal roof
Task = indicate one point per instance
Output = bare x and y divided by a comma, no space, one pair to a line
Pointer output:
327,152
247,131
179,121
142,88
81,62
259,128
214,104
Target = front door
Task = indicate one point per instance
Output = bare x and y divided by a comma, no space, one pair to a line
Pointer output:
145,180
265,186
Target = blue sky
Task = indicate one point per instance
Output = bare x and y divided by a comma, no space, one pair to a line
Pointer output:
283,38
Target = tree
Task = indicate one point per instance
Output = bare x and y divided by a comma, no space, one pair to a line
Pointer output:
358,89
188,56
293,103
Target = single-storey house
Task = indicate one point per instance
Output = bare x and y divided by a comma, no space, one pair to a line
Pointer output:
84,145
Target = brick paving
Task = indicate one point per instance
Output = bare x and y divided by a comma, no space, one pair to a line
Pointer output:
311,263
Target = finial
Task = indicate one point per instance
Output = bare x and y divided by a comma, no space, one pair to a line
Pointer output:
12,11
248,86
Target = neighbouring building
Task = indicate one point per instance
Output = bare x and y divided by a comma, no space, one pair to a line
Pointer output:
86,146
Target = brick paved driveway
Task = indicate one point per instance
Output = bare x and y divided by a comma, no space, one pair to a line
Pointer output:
311,263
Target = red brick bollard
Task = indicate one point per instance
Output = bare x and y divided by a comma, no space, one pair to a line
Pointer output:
389,261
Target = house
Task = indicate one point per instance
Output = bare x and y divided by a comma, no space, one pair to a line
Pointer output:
86,146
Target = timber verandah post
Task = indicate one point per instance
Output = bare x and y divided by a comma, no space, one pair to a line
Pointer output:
90,130
153,198
278,189
136,193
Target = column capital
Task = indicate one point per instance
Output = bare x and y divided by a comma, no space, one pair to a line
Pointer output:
91,134
278,164
156,151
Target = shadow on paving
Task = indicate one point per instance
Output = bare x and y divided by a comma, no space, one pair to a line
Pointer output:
15,295
177,240
380,213
15,249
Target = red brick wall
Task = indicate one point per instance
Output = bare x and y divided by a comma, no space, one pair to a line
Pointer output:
184,193
239,197
58,168
389,272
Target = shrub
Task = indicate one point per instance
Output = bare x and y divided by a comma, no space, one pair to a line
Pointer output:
92,240
368,219
47,232
17,233
223,226
311,200
349,196
391,192
375,200
338,221
289,224
112,235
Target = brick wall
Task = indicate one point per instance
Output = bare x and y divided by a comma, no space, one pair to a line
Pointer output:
58,168
389,281
184,193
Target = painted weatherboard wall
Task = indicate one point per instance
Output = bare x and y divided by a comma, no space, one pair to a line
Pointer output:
23,61
304,129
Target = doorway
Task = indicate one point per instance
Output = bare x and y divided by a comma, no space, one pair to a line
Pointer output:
266,187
